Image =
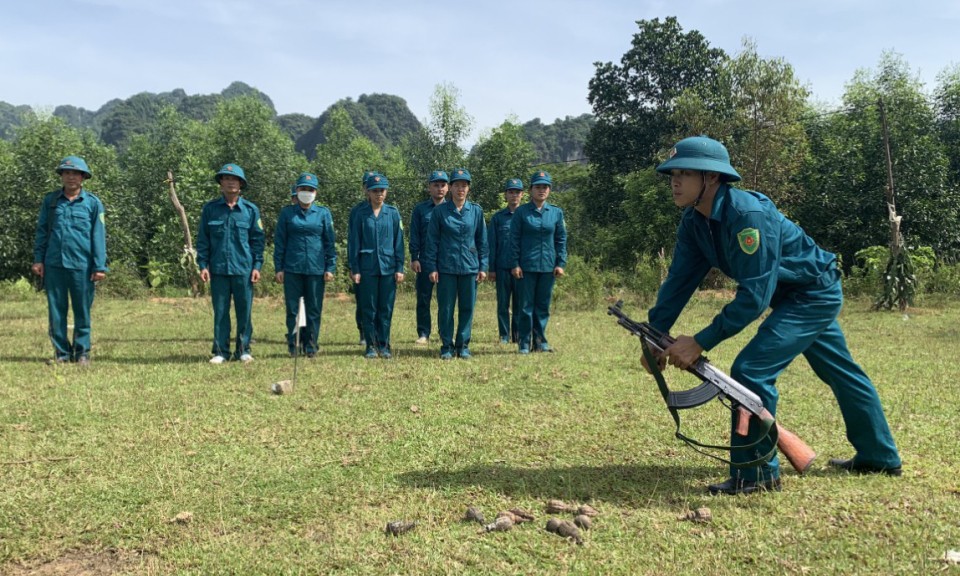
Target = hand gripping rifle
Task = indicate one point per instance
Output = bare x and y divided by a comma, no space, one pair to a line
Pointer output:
715,383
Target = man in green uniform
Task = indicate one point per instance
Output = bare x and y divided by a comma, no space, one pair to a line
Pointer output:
498,238
776,265
70,255
358,313
419,221
230,253
305,257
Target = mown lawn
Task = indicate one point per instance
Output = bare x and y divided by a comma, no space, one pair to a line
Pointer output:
95,464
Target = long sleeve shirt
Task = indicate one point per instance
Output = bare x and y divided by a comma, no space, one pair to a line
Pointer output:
230,241
498,237
419,221
750,241
304,241
71,234
375,243
538,238
456,240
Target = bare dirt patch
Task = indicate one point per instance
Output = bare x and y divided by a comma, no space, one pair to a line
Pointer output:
79,563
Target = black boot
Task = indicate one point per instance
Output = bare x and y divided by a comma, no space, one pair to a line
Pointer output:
852,465
734,486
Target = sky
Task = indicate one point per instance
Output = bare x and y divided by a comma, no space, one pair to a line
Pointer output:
516,60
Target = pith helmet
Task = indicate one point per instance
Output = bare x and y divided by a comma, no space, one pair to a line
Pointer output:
232,170
307,179
703,154
74,163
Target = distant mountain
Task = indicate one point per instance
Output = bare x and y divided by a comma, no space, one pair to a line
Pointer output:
385,119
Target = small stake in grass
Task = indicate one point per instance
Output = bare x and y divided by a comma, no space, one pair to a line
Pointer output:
286,386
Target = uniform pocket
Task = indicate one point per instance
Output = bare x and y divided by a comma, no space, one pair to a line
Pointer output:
215,227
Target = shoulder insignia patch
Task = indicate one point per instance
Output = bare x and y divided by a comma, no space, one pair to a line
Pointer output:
749,239
260,223
102,219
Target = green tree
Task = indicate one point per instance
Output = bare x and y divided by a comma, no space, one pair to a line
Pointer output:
846,175
633,103
562,141
757,112
947,101
504,153
295,125
439,144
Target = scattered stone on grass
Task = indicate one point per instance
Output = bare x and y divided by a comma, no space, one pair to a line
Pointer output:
552,525
399,527
182,518
587,510
558,507
566,529
282,387
699,515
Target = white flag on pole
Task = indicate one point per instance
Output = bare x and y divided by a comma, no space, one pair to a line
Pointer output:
301,316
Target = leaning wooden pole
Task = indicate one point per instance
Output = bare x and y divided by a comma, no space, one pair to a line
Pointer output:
899,282
188,260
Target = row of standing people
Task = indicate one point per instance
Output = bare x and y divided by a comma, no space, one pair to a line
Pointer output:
526,250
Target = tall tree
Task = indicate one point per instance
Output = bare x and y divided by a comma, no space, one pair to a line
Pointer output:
504,153
633,103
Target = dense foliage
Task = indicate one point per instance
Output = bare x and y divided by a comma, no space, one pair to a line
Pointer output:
825,167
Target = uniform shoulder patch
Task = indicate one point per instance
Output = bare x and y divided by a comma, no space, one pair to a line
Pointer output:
260,223
102,219
749,239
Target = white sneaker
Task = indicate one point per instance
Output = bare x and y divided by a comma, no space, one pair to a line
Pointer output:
422,341
218,360
363,342
246,358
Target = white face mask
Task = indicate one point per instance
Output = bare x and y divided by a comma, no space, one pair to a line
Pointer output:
306,197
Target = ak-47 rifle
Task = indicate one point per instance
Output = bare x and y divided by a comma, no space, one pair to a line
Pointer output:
715,383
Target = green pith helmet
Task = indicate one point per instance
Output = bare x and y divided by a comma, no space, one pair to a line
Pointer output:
232,170
703,154
307,179
513,184
74,163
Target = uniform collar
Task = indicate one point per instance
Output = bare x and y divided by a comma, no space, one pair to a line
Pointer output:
83,194
719,199
546,206
241,203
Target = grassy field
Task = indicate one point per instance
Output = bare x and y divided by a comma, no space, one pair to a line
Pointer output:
96,464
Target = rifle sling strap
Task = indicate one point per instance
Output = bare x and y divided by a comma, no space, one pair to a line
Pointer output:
703,393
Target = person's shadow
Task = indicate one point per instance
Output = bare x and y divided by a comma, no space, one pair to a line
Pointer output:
631,485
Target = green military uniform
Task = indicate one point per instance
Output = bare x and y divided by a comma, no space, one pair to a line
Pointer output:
777,266
538,243
304,249
376,252
230,245
70,242
419,222
508,299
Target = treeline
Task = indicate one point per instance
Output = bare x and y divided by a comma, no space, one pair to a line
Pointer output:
825,167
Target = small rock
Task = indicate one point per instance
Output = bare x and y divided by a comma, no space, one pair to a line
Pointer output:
501,524
587,510
698,515
414,408
282,387
583,521
552,525
182,518
399,527
557,507
474,515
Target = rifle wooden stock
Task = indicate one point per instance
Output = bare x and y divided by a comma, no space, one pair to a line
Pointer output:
798,453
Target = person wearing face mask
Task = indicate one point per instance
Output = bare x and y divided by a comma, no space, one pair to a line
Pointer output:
538,246
776,266
70,255
305,257
230,244
455,259
498,237
376,253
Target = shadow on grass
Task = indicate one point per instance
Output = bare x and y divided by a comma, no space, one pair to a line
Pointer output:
626,484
